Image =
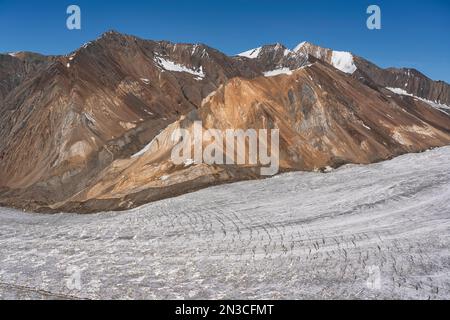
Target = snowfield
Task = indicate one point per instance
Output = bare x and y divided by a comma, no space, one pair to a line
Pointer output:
343,61
358,232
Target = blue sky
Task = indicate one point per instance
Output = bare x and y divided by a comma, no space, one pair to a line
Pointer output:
414,33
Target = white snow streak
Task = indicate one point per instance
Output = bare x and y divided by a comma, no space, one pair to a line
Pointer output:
435,104
172,66
277,72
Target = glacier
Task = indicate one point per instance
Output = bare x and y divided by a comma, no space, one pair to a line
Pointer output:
379,231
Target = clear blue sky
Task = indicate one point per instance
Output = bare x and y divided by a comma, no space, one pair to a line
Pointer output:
414,33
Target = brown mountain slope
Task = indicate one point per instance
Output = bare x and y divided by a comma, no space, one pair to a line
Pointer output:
325,118
92,130
100,103
16,68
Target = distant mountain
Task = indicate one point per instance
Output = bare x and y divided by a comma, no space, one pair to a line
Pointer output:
410,80
16,67
90,131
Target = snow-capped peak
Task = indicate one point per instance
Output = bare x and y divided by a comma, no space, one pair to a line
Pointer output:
251,54
341,60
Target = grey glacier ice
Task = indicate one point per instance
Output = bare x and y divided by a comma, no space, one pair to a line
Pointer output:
376,231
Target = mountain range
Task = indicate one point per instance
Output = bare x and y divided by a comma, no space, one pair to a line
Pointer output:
91,131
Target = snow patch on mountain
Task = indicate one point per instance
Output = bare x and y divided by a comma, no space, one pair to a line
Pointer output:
399,91
435,104
172,66
366,126
343,61
277,72
251,54
284,70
